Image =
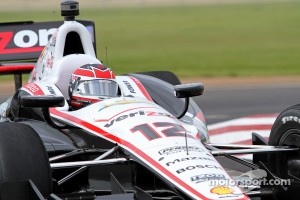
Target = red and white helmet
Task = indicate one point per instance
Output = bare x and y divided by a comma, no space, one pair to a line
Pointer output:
92,83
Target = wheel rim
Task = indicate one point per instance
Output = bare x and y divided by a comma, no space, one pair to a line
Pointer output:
286,161
290,138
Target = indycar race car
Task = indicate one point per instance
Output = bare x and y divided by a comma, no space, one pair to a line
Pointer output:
148,141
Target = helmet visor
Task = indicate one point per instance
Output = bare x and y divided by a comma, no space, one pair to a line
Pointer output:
97,88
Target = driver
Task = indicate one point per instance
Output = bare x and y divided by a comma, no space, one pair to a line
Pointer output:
91,83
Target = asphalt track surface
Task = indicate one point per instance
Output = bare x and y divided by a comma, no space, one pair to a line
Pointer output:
230,102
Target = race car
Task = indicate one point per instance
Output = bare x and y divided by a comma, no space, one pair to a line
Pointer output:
77,131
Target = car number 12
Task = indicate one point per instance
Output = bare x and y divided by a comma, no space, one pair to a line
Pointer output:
162,129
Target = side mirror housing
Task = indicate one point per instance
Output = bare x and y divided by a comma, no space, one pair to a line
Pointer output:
188,90
42,101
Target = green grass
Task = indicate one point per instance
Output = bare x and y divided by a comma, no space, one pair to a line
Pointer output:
210,40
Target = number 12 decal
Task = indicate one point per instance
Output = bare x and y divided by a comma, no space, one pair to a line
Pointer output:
169,130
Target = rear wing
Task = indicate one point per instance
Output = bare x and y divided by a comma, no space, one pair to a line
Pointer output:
26,40
21,44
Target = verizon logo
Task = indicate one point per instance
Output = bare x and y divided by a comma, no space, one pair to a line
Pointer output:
24,41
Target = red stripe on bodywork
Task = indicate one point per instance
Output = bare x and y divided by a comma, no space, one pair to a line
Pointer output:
16,68
130,146
142,88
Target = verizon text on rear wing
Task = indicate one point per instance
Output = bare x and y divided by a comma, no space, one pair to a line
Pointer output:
26,40
21,44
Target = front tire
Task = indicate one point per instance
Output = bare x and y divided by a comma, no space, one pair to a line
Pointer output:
23,156
286,132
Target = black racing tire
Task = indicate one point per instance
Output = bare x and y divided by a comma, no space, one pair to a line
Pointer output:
167,76
285,132
23,156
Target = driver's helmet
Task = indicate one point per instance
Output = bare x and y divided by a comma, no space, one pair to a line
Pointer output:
91,83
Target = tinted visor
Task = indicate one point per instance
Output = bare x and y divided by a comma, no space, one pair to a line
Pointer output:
97,87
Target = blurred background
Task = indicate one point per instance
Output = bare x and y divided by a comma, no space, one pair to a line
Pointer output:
193,38
54,4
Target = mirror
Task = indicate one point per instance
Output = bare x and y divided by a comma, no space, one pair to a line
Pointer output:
45,101
188,90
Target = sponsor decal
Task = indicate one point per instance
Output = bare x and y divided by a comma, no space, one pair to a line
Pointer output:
220,190
206,177
122,117
251,180
43,54
134,114
51,90
24,39
53,39
192,167
169,130
128,145
178,149
49,61
162,158
179,160
32,87
290,119
129,86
